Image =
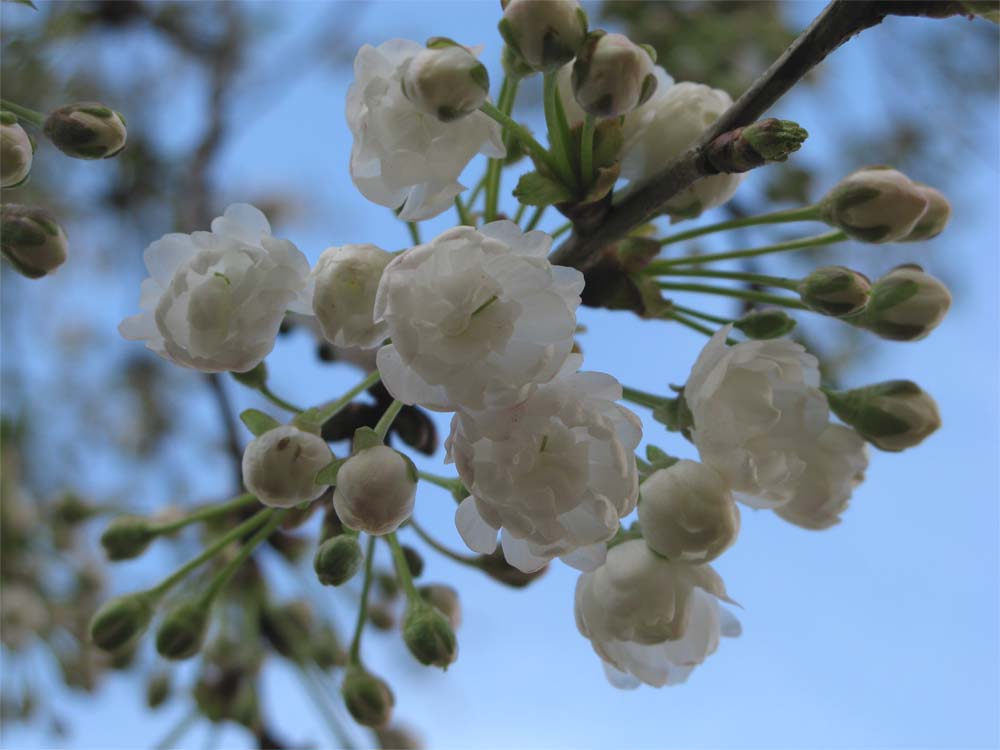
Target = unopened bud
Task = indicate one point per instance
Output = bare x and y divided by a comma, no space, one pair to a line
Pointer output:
446,81
414,561
612,75
86,130
280,466
71,509
346,279
367,697
16,151
338,559
120,621
381,616
397,738
254,378
444,599
875,204
375,490
835,291
127,537
687,513
934,220
31,240
289,628
182,632
894,415
157,689
428,635
543,34
765,324
326,649
906,304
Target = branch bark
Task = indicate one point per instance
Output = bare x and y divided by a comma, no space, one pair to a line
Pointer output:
839,21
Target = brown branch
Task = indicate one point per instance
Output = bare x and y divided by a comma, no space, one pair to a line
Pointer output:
839,21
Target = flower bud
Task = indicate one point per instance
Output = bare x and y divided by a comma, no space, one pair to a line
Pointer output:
397,738
446,81
835,291
280,466
894,415
765,324
381,616
127,537
16,151
375,490
368,698
445,600
289,627
346,281
875,204
429,636
338,559
687,513
906,304
543,34
120,621
86,130
612,75
158,689
182,632
326,649
31,240
414,561
934,220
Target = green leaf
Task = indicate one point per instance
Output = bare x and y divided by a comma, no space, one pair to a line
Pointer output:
328,474
535,189
258,422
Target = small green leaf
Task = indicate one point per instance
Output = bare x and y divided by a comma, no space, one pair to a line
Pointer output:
258,422
535,189
365,438
328,474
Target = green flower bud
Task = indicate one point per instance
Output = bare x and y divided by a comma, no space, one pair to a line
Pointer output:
894,415
158,689
327,650
875,204
31,240
445,600
121,621
446,81
127,537
338,559
414,561
255,378
86,130
835,291
428,635
367,697
934,220
381,616
16,151
765,324
289,628
906,304
182,632
72,510
544,35
612,75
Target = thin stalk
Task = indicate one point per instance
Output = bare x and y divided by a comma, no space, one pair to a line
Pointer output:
205,514
809,213
650,400
387,418
520,213
355,652
328,412
471,200
438,547
558,133
752,278
443,482
278,400
402,569
178,730
562,230
23,113
536,217
318,695
414,231
229,569
685,321
699,314
505,102
463,214
535,150
829,238
587,150
747,294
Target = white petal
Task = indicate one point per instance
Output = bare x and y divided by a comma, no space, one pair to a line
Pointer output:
476,533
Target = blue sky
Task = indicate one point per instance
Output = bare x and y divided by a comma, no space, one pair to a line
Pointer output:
880,632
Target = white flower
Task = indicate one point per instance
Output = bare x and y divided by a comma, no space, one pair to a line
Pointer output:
612,75
687,513
666,126
477,318
346,279
280,466
555,472
403,158
15,152
446,82
835,465
375,491
215,300
651,620
756,406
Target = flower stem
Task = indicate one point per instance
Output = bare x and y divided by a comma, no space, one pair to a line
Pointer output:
809,213
562,230
327,412
520,213
685,321
587,150
699,314
312,687
414,231
505,102
402,569
747,294
229,569
643,398
355,652
435,545
829,238
753,278
443,482
533,147
387,418
463,214
23,113
278,400
558,129
204,514
536,217
179,730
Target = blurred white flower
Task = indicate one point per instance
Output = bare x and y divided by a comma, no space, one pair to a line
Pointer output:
477,318
757,408
345,280
375,490
555,472
835,465
664,128
215,300
280,466
649,619
402,157
16,152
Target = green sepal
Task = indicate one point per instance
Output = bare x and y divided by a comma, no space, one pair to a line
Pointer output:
365,438
328,474
311,420
411,468
535,189
258,422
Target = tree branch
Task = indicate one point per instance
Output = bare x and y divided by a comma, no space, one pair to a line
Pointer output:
839,21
